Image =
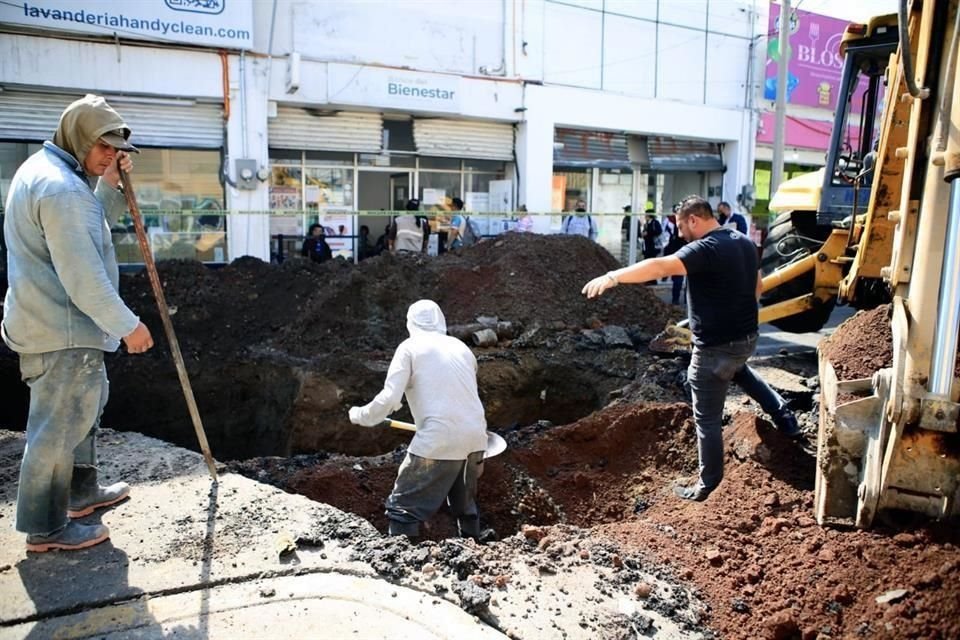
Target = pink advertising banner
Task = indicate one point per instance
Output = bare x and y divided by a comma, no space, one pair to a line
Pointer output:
801,132
815,65
804,133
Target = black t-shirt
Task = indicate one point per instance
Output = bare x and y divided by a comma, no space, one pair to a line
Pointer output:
722,286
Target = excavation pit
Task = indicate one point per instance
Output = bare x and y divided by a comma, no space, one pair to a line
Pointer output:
600,469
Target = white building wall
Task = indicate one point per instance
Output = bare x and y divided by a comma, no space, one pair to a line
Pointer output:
548,107
465,38
248,233
39,61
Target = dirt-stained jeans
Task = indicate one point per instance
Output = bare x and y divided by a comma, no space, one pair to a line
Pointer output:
68,390
423,484
709,375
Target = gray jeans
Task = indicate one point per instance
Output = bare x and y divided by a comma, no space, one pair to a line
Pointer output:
711,371
422,486
68,390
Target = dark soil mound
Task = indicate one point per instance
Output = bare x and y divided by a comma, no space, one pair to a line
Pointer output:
305,309
276,354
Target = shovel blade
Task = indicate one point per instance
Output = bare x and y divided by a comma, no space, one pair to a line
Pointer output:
495,443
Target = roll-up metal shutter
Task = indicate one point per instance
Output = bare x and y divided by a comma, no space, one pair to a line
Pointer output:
580,148
315,130
463,139
669,154
179,123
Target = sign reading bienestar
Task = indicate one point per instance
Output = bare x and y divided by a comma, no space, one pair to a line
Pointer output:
391,88
219,23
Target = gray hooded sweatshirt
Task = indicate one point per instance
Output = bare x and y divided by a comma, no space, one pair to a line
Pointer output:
61,264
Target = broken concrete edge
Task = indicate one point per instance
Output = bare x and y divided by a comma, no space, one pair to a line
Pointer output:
309,605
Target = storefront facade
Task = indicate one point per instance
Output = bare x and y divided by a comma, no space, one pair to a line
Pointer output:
274,129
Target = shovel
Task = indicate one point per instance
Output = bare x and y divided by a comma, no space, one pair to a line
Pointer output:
495,444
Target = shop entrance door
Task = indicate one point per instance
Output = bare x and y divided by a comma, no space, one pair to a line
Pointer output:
381,190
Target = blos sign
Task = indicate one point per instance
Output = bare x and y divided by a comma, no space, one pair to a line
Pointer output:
213,23
814,63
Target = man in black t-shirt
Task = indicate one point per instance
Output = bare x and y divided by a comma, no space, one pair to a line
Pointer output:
723,285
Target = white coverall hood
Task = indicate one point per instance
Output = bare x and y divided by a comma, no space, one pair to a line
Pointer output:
425,316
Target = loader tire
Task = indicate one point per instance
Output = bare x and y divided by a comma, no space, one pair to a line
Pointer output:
794,235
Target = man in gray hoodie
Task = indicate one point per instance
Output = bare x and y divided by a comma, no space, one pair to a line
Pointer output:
61,313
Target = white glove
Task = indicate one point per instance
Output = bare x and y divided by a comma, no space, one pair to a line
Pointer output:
599,284
354,414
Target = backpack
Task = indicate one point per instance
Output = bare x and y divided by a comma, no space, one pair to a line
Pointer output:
657,231
469,233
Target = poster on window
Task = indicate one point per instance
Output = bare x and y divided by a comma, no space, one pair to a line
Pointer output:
477,201
501,196
434,196
338,228
285,198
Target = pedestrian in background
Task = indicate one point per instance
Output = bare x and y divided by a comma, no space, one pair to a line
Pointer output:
524,220
315,246
652,229
580,224
728,218
62,311
409,232
721,266
674,242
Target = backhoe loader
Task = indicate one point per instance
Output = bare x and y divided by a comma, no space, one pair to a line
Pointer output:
881,224
889,443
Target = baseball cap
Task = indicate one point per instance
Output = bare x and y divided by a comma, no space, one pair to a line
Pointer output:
118,140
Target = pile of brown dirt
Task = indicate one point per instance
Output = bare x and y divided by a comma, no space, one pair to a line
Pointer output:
599,469
861,345
769,571
753,551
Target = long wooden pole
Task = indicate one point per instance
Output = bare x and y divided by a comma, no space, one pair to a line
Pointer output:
165,318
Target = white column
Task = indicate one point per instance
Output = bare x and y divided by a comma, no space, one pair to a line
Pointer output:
248,234
535,163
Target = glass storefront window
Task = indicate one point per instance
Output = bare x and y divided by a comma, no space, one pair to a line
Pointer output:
280,155
437,190
328,188
12,155
570,187
329,157
488,166
182,202
179,195
286,186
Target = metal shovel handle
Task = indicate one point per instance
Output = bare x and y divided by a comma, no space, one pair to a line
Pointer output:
495,443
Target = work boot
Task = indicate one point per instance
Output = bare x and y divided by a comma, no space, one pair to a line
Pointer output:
487,535
69,537
696,493
787,424
86,494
